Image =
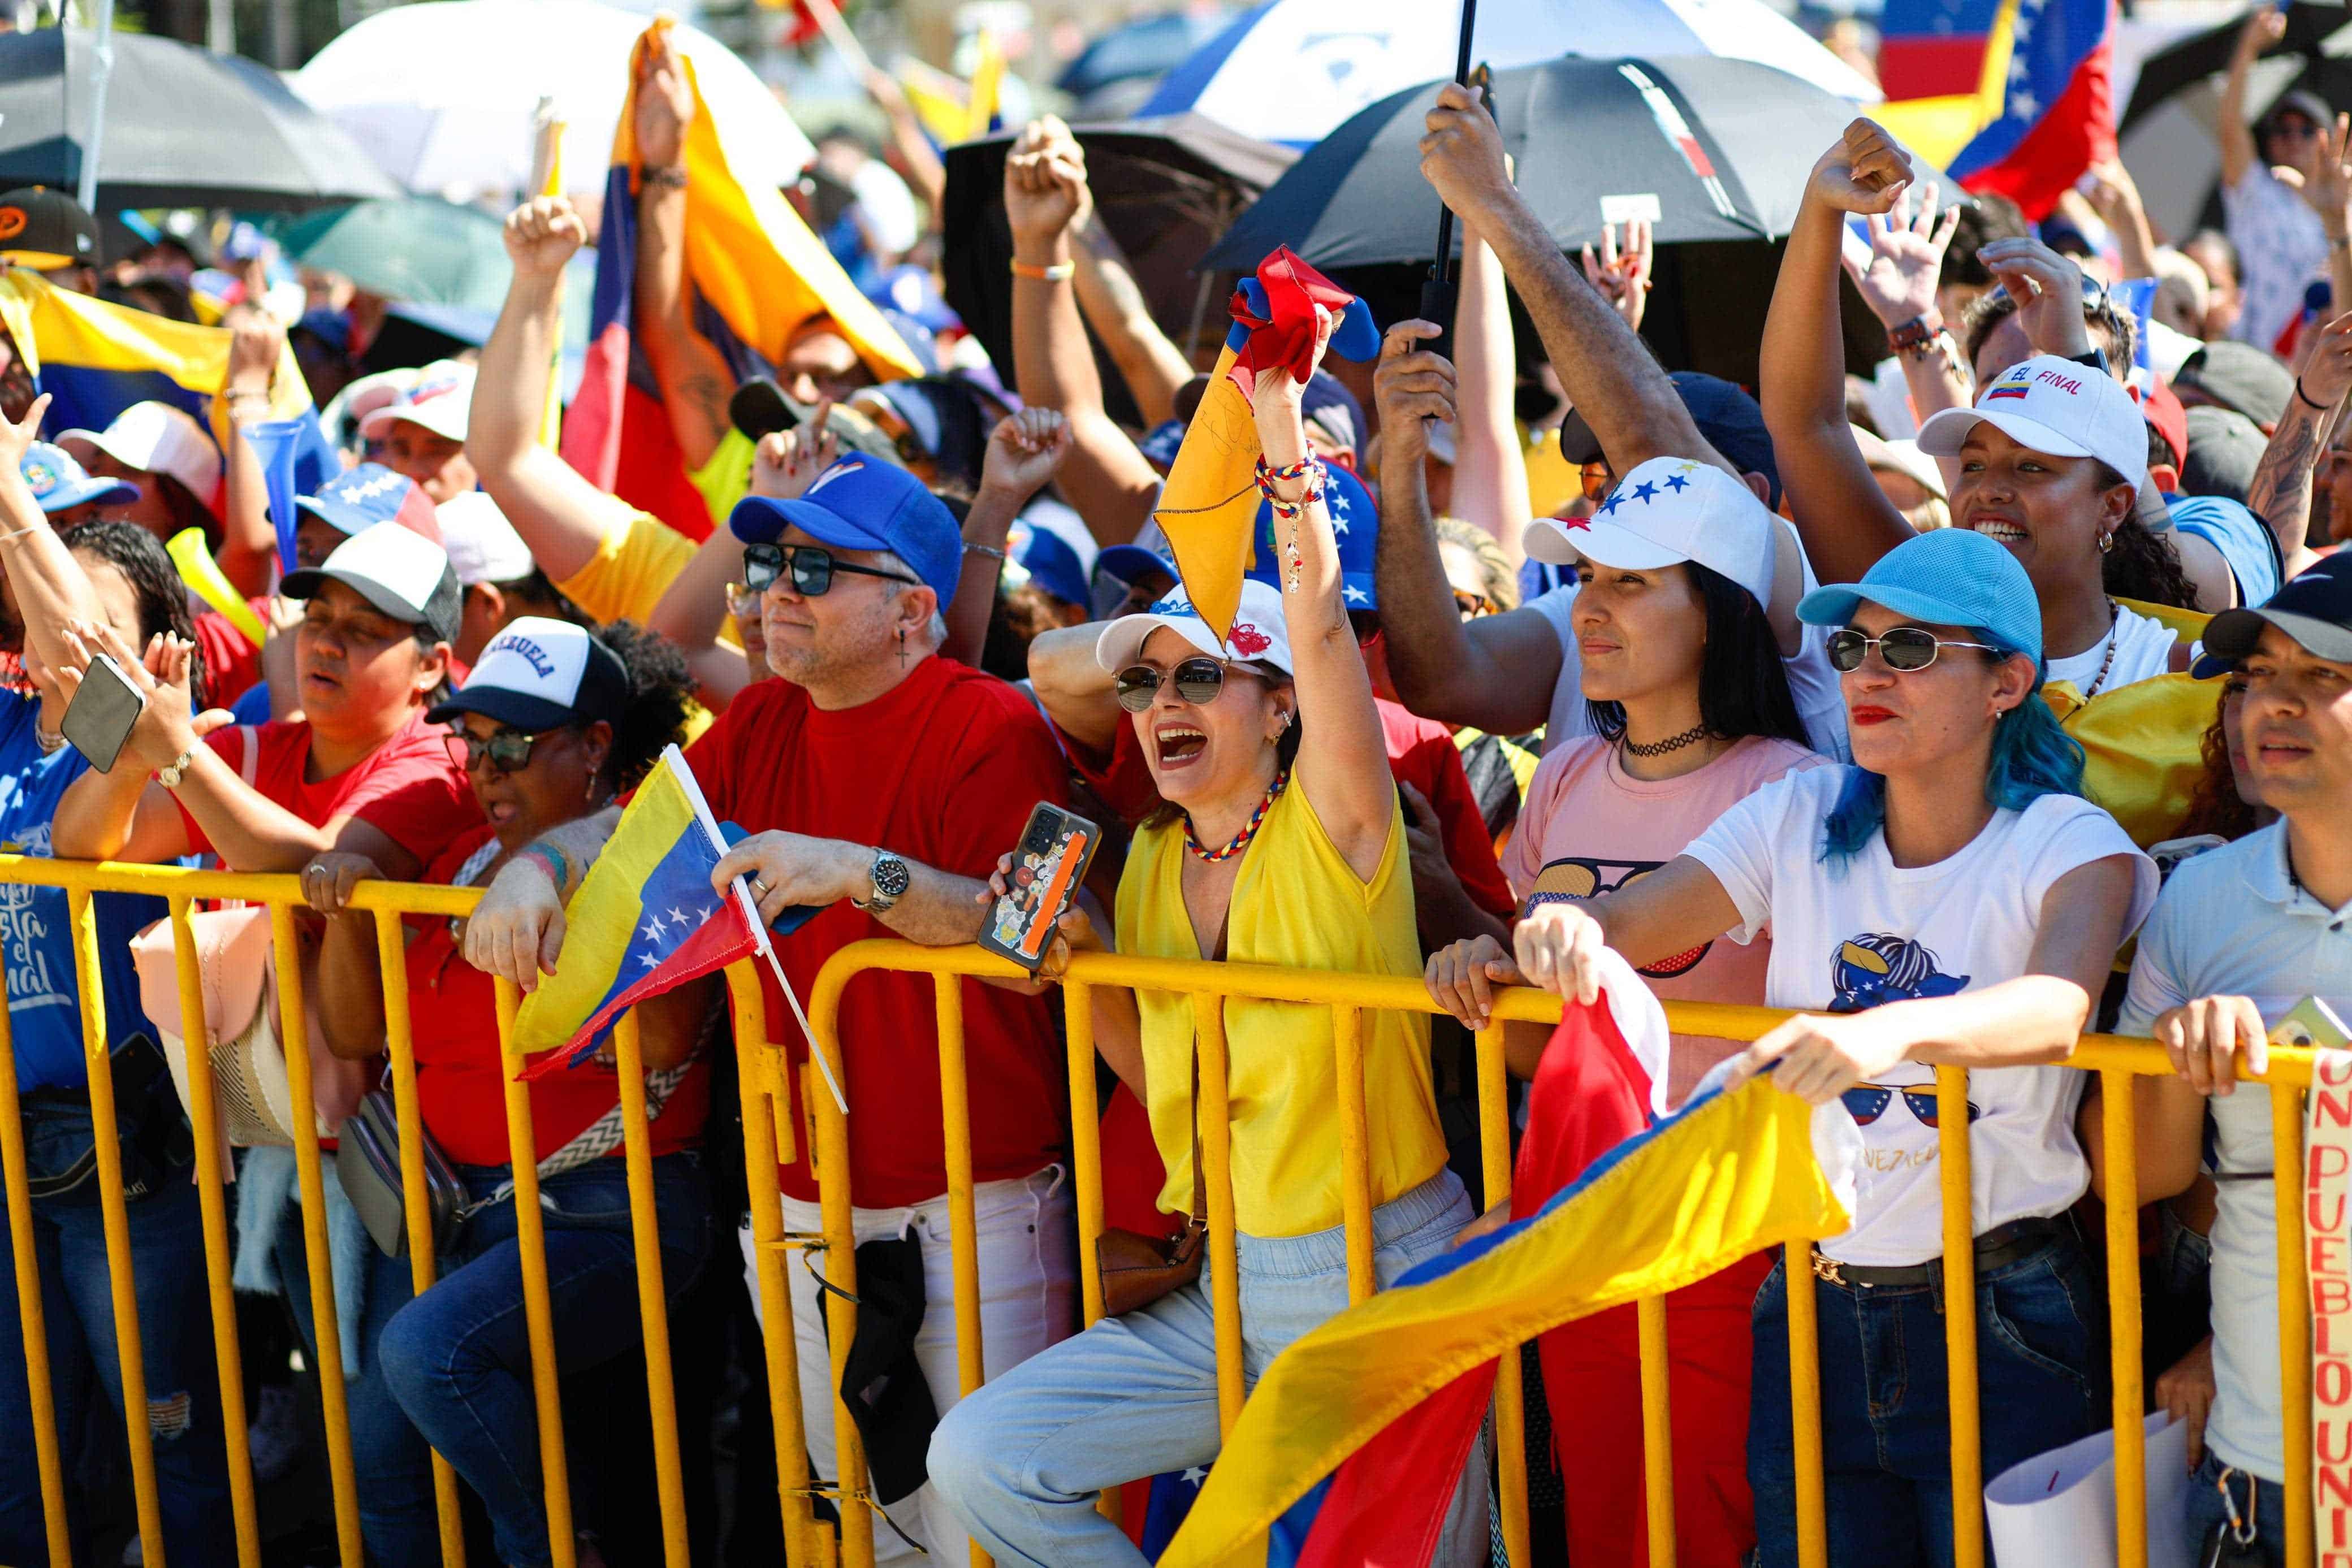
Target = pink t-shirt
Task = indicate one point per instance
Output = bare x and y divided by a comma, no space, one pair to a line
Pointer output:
1589,829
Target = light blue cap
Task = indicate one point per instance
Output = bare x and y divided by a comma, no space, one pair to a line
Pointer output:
1949,577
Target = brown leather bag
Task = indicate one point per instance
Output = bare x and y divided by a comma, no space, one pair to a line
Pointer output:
1138,1270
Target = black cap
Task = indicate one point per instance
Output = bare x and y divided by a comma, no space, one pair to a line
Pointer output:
45,229
2239,376
2225,447
1731,421
759,407
2314,609
2299,101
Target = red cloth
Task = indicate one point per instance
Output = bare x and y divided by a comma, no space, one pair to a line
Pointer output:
460,1085
1586,1099
943,769
407,786
1284,336
232,663
1421,753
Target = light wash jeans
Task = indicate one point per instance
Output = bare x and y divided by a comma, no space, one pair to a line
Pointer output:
1021,1461
1028,1300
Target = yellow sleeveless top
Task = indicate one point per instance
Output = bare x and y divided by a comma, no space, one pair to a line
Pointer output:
1297,903
2142,744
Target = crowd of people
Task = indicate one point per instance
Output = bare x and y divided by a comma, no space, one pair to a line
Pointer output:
1957,745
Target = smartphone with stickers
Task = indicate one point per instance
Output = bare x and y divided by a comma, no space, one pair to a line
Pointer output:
1048,866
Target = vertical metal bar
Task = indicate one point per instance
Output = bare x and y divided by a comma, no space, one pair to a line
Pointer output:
653,1299
2295,1319
1510,1390
963,1227
840,1269
1805,1404
1215,1113
2122,1140
1086,1166
204,1124
1657,1431
114,1211
1354,1151
30,1317
318,1255
1960,1316
424,1267
539,1313
764,1127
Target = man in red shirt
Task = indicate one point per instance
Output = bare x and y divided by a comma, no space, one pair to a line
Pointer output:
880,782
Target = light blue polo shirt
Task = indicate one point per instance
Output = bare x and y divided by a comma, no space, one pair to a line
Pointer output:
2232,922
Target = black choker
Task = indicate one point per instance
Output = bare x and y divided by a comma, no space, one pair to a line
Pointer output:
1690,737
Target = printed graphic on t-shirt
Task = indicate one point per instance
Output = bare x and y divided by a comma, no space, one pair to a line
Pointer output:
27,936
1572,879
1873,969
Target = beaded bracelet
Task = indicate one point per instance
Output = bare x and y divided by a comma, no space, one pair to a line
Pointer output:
1308,469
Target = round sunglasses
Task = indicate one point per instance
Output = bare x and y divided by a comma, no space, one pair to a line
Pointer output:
811,568
1197,681
1905,648
507,750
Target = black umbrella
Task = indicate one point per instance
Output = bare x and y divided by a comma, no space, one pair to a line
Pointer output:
1708,149
2320,35
184,128
1165,187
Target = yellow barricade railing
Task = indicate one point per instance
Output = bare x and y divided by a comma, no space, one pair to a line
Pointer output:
770,1137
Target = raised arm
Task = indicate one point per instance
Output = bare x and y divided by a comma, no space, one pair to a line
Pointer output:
1606,371
2265,26
1343,762
1045,194
1496,673
1112,304
2280,493
51,588
2328,192
1072,688
693,376
1844,518
561,516
1906,259
248,539
1490,471
1023,451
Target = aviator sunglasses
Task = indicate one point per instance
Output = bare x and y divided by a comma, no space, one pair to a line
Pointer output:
1197,681
1903,648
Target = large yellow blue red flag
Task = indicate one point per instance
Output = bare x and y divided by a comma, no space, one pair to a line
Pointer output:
757,276
1348,1453
644,920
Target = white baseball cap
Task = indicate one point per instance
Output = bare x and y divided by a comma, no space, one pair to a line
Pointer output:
538,674
156,438
1259,633
393,567
1664,512
483,546
2059,407
440,400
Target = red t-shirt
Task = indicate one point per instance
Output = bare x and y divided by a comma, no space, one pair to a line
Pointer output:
460,1084
232,662
1421,753
943,769
408,786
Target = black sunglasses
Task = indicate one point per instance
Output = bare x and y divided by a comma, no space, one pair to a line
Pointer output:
1903,647
812,567
1197,681
507,749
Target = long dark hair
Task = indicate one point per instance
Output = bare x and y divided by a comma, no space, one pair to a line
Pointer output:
154,582
1743,687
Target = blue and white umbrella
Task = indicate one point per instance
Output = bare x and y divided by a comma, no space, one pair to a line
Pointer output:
1293,70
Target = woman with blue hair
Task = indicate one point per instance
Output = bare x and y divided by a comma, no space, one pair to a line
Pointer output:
1950,898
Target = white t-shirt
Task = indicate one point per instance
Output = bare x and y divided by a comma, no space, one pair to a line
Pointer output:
2232,923
1844,940
2143,650
1814,686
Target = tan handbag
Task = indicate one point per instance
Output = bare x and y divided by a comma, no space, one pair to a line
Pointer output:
1138,1270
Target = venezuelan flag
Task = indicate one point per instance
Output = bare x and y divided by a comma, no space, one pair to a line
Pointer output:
644,922
757,275
1348,1452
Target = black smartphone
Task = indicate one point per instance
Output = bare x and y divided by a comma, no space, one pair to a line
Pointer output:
99,719
1051,863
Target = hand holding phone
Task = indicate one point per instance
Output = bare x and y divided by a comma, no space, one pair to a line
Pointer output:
1047,868
102,713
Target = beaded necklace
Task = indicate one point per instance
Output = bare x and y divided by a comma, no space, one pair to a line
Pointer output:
1240,840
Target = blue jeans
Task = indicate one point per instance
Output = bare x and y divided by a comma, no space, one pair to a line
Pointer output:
451,1368
1020,1460
1886,1412
167,1258
2206,1513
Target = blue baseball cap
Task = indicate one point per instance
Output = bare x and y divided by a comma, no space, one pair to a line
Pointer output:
58,481
1950,577
1049,560
1355,528
864,502
362,497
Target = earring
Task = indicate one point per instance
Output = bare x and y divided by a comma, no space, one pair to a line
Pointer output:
902,644
2106,543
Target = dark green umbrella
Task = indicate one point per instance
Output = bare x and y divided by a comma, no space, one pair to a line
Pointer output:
416,248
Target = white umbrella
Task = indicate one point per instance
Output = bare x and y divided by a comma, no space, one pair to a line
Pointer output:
442,93
1294,70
